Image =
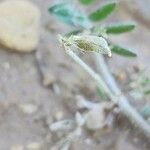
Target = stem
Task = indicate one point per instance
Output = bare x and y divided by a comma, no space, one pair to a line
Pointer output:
93,74
114,94
123,103
103,69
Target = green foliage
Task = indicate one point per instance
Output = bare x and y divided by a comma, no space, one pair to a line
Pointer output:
68,14
119,28
101,94
147,92
102,12
145,111
122,51
86,2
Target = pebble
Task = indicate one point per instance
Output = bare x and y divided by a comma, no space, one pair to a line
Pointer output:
96,117
34,146
59,115
28,108
17,147
48,80
19,25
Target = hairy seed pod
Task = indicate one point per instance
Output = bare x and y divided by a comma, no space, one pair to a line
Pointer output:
90,43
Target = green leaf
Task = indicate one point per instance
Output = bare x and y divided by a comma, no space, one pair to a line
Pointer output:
122,51
116,29
86,2
62,11
69,14
102,12
147,92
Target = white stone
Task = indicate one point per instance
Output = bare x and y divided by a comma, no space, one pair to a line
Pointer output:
19,25
95,118
28,108
59,115
34,146
17,147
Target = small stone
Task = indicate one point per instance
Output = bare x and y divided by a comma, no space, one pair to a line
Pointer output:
17,147
121,75
62,125
28,108
34,146
19,25
59,115
48,80
96,118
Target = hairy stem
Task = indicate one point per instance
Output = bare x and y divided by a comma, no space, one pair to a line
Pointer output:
114,93
123,103
93,74
103,69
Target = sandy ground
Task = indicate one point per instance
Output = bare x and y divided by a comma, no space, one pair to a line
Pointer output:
21,84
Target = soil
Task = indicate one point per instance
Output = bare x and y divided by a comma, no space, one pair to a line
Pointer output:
48,81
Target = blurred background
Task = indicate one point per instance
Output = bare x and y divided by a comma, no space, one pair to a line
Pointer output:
39,83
